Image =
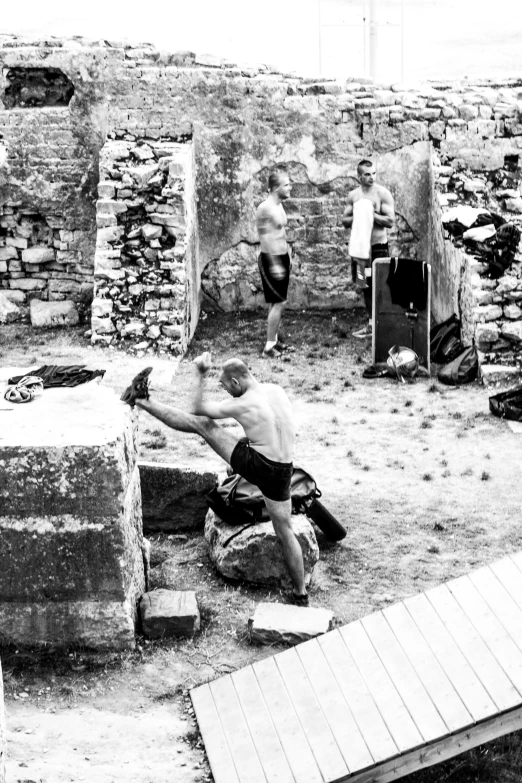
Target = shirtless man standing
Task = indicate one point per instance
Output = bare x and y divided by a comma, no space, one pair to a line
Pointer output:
274,259
383,218
263,457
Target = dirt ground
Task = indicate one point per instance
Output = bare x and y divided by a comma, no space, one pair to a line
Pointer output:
426,481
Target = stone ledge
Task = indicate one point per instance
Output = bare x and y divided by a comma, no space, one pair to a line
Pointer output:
287,624
496,376
173,497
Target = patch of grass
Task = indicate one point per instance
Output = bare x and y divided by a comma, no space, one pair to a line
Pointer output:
434,549
348,385
456,415
446,473
427,477
485,476
425,424
394,410
156,439
408,403
467,472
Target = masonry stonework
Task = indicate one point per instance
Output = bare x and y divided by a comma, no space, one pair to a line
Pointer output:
241,121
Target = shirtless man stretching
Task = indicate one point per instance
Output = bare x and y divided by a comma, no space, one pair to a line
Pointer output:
274,259
383,218
263,457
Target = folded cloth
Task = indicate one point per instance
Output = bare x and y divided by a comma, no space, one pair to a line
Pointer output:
54,375
463,214
480,233
362,225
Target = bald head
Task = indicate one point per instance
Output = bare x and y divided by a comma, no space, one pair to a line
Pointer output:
235,377
235,368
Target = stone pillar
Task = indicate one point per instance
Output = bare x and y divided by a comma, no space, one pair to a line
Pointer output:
71,566
146,264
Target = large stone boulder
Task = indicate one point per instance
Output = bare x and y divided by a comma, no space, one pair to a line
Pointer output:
255,555
52,314
274,623
71,563
173,498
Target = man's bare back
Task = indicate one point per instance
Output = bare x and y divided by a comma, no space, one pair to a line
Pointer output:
265,414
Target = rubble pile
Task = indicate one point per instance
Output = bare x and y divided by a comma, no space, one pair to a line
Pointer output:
41,257
143,217
491,293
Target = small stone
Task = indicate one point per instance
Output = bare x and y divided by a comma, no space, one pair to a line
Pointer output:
513,312
150,231
499,375
287,624
168,613
514,204
513,331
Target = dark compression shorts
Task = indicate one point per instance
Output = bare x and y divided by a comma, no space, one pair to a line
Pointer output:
275,290
364,278
272,478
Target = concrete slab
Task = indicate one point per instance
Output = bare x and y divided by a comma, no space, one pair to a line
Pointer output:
166,613
515,426
288,624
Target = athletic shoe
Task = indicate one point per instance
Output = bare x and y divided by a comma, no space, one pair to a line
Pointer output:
139,388
366,331
272,353
284,348
300,600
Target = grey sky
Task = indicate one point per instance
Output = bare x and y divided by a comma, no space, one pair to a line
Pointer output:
446,38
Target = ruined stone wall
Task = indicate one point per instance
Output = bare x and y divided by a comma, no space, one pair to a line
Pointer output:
242,122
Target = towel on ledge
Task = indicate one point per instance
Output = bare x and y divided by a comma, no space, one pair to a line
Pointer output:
360,238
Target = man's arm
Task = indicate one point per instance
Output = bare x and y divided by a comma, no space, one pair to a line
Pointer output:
214,410
386,217
348,212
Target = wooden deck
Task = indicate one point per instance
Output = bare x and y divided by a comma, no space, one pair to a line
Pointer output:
399,690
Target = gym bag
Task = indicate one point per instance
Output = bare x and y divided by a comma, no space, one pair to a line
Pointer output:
463,369
508,404
445,344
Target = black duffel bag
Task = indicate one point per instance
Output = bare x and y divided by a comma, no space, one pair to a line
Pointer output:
445,344
463,369
508,404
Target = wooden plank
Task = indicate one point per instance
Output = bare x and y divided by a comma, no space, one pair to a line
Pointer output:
262,730
385,695
499,601
436,752
357,696
517,559
324,747
469,687
289,730
476,652
235,729
216,746
405,677
490,629
336,711
510,576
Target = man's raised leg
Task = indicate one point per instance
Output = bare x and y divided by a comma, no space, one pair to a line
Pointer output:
217,438
281,515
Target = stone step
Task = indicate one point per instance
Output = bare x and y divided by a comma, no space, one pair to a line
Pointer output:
166,613
287,624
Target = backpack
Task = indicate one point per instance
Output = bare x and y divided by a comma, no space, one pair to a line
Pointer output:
508,404
445,344
463,369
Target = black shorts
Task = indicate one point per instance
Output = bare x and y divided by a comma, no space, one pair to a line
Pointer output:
274,290
380,250
272,478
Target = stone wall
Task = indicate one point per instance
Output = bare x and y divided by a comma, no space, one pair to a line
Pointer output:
241,122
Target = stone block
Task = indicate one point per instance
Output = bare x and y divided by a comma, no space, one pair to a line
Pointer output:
172,330
109,207
38,255
102,307
168,613
9,312
286,624
487,313
514,205
82,467
173,498
498,375
513,332
513,312
507,283
52,314
71,565
18,297
150,231
8,253
255,555
487,333
106,189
